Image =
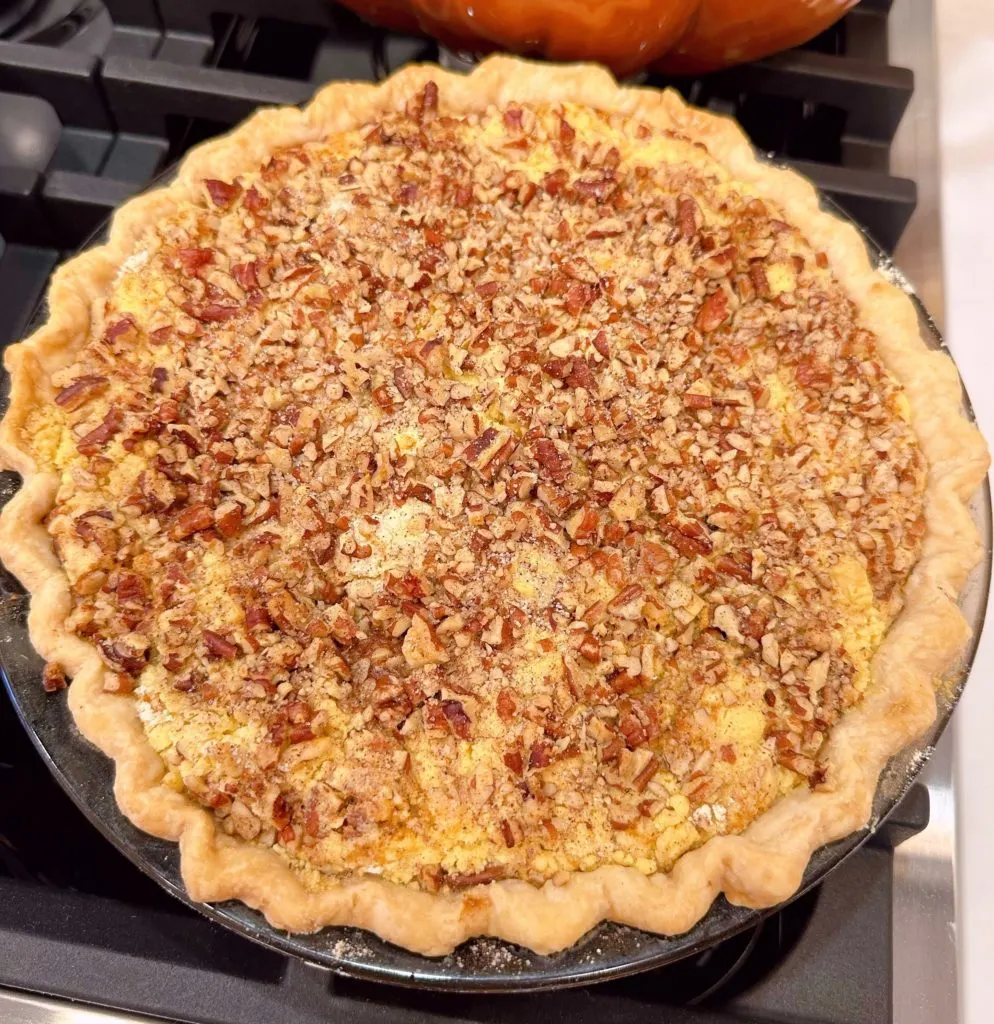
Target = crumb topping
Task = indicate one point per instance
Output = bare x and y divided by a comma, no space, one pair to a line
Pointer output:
483,497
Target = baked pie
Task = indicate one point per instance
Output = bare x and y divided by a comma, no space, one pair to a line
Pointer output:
489,505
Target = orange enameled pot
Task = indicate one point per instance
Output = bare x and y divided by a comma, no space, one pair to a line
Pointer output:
678,36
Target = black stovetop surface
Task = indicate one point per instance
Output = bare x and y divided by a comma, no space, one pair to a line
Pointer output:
96,98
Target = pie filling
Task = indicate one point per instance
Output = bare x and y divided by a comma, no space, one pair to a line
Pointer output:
485,497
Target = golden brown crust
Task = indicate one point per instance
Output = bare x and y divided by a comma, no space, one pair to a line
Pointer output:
757,868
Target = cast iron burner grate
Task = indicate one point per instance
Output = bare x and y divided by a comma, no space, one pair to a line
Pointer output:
96,98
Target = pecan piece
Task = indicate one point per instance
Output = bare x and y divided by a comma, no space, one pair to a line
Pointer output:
222,193
512,118
737,564
93,442
506,704
645,776
190,521
713,312
632,729
555,181
191,260
220,647
595,188
421,645
627,604
489,452
281,811
553,463
427,102
579,295
689,537
126,329
656,561
457,718
402,381
96,527
538,756
584,523
80,391
228,518
157,492
757,276
609,227
687,212
247,274
484,877
574,373
119,654
300,733
257,617
696,401
590,647
342,625
212,313
812,374
288,613
131,589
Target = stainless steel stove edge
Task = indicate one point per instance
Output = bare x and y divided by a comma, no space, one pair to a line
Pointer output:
27,1008
924,975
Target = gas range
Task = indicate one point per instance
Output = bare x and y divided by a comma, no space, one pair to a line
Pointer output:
96,99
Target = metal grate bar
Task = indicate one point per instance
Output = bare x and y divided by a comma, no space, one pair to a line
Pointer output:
65,79
139,89
880,202
873,95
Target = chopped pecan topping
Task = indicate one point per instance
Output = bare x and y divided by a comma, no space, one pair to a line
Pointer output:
479,476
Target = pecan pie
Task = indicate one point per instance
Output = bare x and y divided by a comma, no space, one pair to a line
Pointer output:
489,505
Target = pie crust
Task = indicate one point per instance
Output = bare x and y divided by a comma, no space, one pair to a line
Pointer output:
759,867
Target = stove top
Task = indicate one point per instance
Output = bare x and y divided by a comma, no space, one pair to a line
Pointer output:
96,98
